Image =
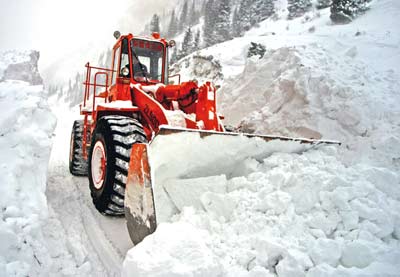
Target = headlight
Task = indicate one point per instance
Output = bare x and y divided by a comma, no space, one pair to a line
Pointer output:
125,71
117,34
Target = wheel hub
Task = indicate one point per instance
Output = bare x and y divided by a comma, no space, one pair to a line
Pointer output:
99,163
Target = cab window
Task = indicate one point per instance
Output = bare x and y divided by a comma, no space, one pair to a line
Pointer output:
115,65
124,70
147,59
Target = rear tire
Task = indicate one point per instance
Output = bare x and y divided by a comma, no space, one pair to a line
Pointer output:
109,161
78,166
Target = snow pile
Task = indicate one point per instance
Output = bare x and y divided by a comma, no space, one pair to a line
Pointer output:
30,244
313,92
294,215
194,259
186,165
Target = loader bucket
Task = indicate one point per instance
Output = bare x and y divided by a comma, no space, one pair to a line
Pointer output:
179,165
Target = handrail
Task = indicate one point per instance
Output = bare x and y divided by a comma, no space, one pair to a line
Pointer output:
88,83
100,68
94,87
92,84
88,72
179,77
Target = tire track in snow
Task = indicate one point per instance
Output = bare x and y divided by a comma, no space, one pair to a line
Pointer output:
103,241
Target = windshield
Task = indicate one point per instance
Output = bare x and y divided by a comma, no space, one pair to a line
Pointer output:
147,59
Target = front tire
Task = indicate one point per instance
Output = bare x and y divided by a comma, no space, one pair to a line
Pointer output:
109,161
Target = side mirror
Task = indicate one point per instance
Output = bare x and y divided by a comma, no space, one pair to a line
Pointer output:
171,43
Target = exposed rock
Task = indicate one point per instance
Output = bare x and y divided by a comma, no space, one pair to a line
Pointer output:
25,71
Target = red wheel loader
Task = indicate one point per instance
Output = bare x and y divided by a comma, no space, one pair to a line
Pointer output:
151,148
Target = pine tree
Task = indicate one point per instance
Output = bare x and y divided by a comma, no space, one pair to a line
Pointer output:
209,24
70,95
298,8
108,58
174,56
256,49
261,10
250,12
343,11
236,23
187,44
322,4
69,86
77,88
244,20
196,42
146,29
194,17
173,25
203,8
184,17
222,21
100,62
155,24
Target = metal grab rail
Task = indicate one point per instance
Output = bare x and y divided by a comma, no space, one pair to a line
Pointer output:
95,84
100,68
179,77
94,88
92,84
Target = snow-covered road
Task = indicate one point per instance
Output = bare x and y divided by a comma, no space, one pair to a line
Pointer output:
91,237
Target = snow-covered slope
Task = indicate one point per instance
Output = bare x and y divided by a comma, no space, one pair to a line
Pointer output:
329,212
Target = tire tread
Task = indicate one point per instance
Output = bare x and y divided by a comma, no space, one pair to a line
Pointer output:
122,132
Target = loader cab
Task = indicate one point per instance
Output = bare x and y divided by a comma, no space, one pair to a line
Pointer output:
137,60
140,60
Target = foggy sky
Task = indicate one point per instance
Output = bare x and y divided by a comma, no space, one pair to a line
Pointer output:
56,27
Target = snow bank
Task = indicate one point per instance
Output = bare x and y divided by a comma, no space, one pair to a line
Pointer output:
26,126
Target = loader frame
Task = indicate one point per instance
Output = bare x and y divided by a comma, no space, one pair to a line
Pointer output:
138,102
117,91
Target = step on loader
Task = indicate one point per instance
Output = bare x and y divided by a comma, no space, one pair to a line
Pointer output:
150,147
